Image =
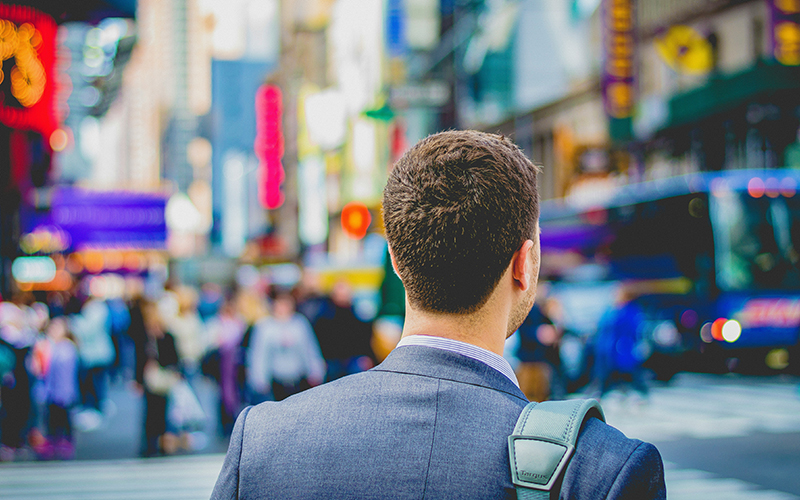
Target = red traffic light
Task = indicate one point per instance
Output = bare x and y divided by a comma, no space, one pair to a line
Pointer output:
356,219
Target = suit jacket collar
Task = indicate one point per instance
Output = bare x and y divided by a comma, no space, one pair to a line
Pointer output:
447,365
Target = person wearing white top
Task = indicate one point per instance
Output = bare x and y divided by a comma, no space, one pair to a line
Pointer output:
284,357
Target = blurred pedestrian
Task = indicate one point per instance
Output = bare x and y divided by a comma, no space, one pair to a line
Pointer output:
61,390
284,357
120,320
344,338
16,343
227,330
308,296
91,330
159,372
538,355
211,299
191,337
620,348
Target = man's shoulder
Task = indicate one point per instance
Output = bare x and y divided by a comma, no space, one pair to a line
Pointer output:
608,462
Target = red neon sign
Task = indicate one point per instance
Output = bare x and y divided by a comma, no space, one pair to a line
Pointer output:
269,145
27,88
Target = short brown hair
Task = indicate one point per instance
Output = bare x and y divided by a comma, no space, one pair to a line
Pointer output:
456,207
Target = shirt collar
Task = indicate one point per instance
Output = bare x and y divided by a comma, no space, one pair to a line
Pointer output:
494,360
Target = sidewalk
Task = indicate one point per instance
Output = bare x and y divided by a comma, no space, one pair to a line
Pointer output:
117,433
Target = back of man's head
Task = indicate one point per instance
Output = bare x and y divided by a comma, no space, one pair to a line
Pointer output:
456,207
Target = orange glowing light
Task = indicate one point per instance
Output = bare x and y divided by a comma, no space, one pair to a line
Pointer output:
59,140
788,6
356,219
74,263
28,77
788,187
756,187
773,187
134,262
716,329
114,260
94,262
62,281
59,260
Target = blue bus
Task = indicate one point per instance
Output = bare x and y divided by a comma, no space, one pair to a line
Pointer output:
713,258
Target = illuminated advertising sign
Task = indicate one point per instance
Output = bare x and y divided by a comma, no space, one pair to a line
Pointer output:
100,220
784,31
27,56
772,312
269,145
773,320
618,57
33,269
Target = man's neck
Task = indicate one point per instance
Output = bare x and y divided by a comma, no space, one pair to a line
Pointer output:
485,328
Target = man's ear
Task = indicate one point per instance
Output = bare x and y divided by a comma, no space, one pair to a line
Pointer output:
522,266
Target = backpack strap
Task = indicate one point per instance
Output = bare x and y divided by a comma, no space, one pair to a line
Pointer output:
543,443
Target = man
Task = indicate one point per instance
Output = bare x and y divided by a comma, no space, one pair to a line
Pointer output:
344,338
432,421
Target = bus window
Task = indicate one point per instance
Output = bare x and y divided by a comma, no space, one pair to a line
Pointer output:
757,241
663,238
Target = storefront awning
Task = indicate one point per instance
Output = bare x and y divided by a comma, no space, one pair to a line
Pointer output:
725,92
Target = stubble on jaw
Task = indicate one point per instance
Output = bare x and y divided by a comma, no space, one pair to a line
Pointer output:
521,310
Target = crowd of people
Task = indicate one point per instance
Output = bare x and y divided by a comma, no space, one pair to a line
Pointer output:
60,350
551,361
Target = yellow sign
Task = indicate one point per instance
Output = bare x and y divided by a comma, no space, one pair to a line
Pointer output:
685,50
787,43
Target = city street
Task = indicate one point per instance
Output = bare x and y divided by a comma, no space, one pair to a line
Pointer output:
119,434
721,437
726,437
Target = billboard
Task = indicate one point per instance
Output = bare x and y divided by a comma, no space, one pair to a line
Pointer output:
102,219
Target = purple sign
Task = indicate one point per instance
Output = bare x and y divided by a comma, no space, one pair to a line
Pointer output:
104,219
784,31
619,85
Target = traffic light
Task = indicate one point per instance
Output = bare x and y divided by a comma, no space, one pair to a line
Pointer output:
356,219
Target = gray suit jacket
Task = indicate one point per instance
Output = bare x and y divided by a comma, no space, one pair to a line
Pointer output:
425,423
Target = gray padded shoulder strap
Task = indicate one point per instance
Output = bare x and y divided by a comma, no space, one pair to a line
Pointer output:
543,442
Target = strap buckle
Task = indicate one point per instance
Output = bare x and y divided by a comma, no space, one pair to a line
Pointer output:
537,462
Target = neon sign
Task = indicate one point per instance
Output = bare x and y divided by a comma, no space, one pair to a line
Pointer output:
27,56
778,312
269,145
618,65
785,31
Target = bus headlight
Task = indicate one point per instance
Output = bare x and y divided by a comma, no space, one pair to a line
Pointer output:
731,330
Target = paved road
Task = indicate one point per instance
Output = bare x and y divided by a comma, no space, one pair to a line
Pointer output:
119,433
167,478
725,438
